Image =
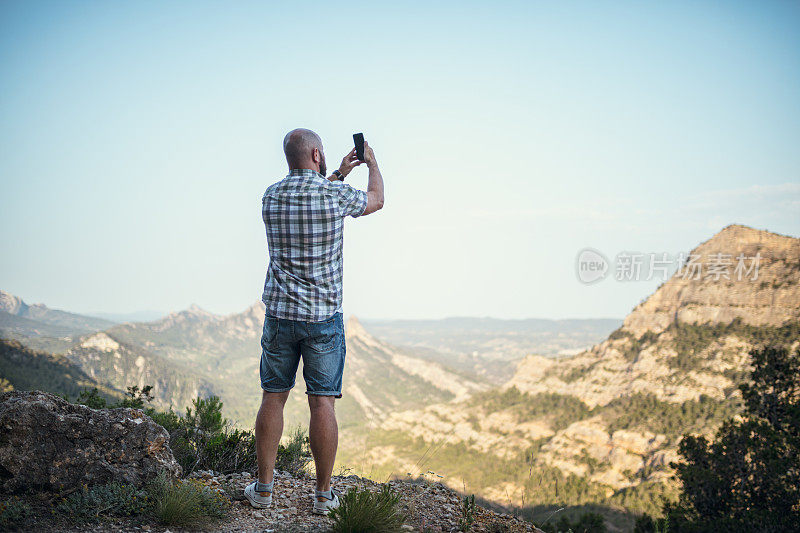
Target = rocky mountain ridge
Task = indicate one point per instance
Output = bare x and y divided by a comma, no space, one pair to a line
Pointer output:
745,273
612,416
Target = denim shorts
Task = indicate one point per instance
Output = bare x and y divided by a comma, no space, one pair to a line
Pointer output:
320,344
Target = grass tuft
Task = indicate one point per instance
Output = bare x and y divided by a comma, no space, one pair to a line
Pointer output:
362,511
186,503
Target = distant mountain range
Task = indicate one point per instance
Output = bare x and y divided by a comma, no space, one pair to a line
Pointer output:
134,316
196,352
18,319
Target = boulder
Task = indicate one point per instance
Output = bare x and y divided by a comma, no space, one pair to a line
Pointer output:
47,443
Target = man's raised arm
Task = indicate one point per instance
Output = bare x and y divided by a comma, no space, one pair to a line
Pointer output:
375,183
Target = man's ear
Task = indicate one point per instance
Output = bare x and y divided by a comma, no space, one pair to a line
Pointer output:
316,157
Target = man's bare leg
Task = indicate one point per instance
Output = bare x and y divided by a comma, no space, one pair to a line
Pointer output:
269,428
324,435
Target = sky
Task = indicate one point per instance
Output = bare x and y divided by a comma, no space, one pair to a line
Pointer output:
137,138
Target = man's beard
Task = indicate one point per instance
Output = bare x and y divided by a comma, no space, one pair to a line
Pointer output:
323,169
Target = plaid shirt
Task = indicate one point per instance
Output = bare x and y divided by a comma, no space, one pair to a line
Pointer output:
304,216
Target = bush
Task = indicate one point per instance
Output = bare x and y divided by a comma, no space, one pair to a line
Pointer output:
295,456
169,420
748,478
362,511
186,503
202,440
13,513
113,499
136,398
92,398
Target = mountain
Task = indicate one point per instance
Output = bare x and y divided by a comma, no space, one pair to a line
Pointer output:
226,351
133,316
601,427
117,364
768,300
18,319
24,369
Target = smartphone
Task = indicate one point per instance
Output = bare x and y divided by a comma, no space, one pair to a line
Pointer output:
358,139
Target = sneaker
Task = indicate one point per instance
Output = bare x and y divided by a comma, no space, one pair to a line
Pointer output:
331,501
259,500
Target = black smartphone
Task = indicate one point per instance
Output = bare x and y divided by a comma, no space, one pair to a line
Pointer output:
358,139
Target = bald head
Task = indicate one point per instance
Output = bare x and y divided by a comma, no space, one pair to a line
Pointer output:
299,145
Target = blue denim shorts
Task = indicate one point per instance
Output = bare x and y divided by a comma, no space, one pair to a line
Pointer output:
320,344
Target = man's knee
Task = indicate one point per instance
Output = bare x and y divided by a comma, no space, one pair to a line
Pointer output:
274,398
319,403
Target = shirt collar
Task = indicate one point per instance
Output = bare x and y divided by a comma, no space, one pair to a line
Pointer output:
305,173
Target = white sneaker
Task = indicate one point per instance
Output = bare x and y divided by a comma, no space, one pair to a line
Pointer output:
325,507
259,500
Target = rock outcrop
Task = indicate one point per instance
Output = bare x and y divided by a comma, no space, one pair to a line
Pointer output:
47,443
723,281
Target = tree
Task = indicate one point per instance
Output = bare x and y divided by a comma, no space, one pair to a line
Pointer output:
748,478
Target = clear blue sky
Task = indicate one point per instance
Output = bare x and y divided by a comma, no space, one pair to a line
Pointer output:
136,140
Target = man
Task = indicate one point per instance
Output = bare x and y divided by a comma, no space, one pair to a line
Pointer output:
304,216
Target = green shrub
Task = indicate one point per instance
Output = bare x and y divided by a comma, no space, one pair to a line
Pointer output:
295,456
362,511
467,513
169,420
91,398
202,440
186,503
13,513
206,416
113,499
748,477
136,398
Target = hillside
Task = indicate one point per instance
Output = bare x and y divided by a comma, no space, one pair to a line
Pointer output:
120,365
24,369
41,320
602,426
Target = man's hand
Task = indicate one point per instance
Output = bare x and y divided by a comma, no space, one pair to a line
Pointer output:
350,162
369,155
